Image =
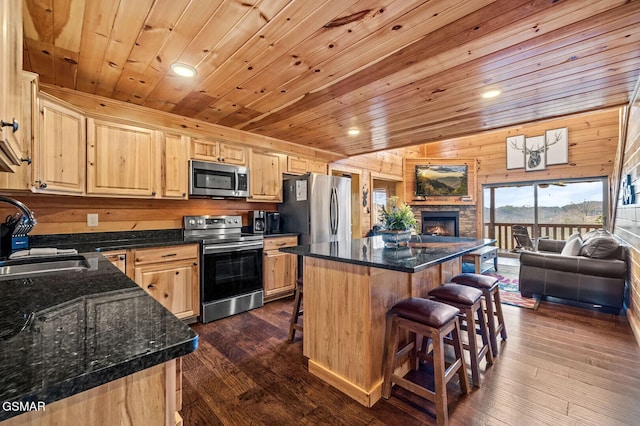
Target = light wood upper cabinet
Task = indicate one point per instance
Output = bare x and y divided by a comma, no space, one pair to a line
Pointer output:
300,166
59,158
10,84
219,152
21,179
175,165
265,176
171,276
122,160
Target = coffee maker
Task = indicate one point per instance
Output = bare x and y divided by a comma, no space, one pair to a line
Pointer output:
273,223
257,221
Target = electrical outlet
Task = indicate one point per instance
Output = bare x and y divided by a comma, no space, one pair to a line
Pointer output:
92,219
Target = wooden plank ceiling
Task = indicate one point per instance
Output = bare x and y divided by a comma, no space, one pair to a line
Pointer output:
403,72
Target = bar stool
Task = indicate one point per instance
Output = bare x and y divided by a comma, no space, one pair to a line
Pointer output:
493,305
469,301
297,311
434,320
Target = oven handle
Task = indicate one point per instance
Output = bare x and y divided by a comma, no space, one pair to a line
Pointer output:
226,248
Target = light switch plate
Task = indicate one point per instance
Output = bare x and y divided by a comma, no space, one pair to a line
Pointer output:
92,219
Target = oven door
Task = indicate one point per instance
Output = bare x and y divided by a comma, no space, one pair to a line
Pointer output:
231,280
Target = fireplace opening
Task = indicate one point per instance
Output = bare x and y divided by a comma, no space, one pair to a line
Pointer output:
445,223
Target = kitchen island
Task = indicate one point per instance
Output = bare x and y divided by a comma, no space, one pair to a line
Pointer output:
88,346
348,288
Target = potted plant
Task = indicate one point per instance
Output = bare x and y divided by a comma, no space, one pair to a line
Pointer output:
398,222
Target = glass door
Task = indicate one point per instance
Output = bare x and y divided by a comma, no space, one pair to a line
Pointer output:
552,209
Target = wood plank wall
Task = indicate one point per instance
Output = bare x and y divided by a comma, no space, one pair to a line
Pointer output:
593,140
627,219
67,214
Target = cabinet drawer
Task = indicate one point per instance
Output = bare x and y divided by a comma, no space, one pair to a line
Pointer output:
166,254
279,242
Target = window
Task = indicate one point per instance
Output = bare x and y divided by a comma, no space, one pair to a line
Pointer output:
553,209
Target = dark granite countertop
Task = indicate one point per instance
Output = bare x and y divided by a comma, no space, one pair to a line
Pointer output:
65,332
282,234
371,251
107,241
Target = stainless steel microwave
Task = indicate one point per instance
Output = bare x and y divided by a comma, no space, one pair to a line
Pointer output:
218,180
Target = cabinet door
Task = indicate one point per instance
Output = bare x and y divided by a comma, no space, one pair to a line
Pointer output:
202,149
59,158
173,284
175,166
317,167
117,259
10,77
122,160
232,154
21,179
265,171
280,272
296,165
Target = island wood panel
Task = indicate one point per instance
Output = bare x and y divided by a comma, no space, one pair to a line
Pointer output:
62,214
147,397
345,316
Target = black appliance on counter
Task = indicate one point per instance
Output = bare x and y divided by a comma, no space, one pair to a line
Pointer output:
273,223
230,265
257,221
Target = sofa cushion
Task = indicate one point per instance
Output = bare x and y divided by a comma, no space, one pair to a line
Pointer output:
600,247
596,233
572,247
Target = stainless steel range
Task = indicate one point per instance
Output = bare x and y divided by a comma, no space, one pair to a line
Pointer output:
231,265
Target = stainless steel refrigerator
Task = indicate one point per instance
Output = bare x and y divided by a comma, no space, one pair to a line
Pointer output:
318,207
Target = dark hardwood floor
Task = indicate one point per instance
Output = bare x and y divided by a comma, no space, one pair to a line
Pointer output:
561,365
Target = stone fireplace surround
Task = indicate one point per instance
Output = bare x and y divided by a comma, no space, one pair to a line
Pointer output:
466,221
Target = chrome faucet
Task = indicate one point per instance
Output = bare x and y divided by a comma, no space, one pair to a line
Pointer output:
28,220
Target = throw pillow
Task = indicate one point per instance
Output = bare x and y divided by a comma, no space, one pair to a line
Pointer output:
572,247
599,247
573,237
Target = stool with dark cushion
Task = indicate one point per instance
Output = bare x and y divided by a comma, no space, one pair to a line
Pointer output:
469,301
493,305
297,311
433,320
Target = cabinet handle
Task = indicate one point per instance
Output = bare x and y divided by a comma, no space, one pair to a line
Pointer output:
153,193
170,255
151,286
26,160
122,257
195,263
41,184
13,124
184,194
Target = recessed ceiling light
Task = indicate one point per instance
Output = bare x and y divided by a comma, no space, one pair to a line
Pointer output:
183,70
492,93
354,131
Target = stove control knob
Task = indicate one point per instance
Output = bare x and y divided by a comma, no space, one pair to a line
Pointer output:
200,222
192,222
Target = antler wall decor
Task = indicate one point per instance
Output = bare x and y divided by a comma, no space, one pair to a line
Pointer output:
536,152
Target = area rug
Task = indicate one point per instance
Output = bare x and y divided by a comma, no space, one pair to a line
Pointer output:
509,291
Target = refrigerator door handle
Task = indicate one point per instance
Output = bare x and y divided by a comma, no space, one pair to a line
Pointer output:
333,211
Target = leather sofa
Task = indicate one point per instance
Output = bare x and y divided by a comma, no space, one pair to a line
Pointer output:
598,281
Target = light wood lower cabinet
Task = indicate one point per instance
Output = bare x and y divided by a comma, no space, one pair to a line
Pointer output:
147,397
279,270
118,259
171,276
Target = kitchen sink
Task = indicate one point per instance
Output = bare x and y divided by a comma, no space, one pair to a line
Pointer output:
16,268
